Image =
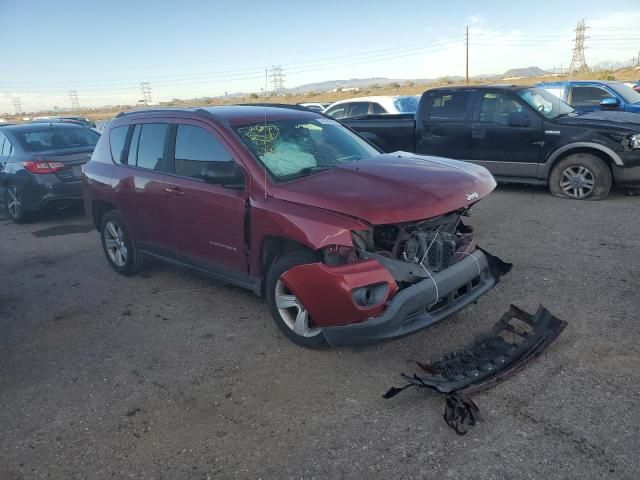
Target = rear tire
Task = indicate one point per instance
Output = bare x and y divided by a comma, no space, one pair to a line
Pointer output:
117,244
13,204
286,310
581,176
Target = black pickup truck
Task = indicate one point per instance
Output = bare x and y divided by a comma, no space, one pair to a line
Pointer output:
521,134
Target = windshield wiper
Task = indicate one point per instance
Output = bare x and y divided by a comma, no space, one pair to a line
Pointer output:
306,171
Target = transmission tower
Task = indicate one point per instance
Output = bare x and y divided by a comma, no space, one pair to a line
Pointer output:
578,63
277,79
73,95
145,88
17,105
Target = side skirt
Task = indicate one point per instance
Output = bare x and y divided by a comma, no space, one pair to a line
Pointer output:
218,272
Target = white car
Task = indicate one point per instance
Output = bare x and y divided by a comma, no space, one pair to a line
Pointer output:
316,107
379,105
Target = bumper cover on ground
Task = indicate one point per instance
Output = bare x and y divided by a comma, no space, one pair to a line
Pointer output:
515,340
425,302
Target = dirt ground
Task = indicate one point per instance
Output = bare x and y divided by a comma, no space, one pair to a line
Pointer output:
169,375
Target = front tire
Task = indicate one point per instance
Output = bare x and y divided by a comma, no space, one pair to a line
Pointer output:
117,244
288,313
581,176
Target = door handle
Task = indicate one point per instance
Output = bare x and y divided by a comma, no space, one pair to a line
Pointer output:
478,133
174,191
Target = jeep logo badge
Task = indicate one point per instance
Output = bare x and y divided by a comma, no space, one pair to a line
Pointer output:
472,196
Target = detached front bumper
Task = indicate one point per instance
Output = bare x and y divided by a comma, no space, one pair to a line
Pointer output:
422,304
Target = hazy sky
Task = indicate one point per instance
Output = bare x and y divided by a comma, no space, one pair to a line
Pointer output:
188,48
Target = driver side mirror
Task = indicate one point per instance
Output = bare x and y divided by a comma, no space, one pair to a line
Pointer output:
609,102
228,174
519,119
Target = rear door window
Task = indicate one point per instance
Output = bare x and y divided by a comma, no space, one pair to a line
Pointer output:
117,139
148,147
448,106
195,150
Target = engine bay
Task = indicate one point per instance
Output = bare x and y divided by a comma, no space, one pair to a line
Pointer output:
412,251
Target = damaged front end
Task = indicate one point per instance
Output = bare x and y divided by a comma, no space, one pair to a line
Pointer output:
395,280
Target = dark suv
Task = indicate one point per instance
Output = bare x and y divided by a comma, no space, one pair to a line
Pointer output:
346,243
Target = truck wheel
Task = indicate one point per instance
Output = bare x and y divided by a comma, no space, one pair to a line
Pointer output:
13,204
117,244
581,176
288,313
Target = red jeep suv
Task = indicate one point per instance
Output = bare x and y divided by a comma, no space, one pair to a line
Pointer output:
347,244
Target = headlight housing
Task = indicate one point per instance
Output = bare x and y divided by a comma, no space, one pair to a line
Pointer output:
634,141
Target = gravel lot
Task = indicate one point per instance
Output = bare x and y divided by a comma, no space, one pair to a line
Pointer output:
171,375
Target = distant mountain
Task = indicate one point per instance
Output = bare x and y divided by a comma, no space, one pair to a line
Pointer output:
524,72
353,82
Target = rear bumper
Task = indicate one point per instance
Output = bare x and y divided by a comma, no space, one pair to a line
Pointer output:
420,305
46,189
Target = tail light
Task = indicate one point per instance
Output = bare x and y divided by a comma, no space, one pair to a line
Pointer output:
41,166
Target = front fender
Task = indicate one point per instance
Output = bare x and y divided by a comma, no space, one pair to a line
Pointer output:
309,226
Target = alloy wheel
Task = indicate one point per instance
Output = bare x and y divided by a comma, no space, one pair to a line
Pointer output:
577,181
13,202
293,313
115,244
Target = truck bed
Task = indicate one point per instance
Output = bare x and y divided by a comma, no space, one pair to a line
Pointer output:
391,132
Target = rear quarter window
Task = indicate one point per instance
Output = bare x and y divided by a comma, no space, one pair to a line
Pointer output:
117,139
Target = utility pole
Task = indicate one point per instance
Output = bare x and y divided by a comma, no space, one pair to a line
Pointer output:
578,62
638,59
467,55
277,79
73,95
145,88
17,105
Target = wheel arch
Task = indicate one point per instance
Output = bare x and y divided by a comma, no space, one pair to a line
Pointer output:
273,247
601,151
98,210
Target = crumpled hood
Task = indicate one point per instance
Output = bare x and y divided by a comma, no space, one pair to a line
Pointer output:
601,118
391,188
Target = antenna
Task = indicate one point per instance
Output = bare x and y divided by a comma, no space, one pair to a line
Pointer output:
266,85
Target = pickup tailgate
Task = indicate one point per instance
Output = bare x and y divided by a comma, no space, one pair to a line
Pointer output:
391,133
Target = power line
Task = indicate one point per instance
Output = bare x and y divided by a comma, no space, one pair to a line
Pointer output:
73,95
578,62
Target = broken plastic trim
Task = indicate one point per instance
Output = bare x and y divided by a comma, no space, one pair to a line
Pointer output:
516,339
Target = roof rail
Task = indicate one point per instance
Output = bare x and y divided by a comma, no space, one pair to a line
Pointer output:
275,105
150,110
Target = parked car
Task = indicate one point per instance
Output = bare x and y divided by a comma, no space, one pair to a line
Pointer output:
85,122
588,95
316,107
357,107
521,134
346,244
40,166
